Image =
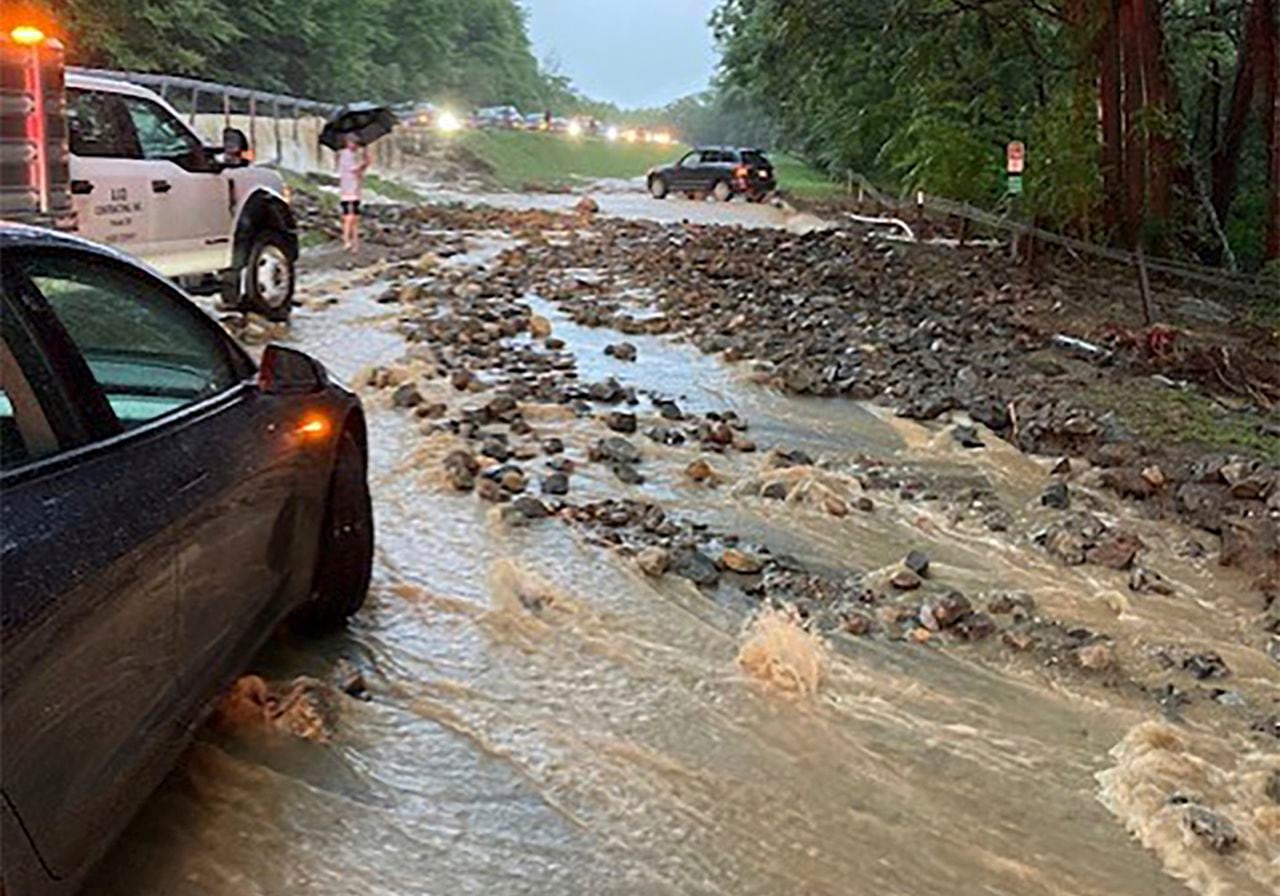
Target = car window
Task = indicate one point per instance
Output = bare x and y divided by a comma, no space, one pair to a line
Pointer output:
98,126
160,134
752,157
149,353
692,160
25,431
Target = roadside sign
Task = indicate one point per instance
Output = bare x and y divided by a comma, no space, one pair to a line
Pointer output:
1016,157
1015,184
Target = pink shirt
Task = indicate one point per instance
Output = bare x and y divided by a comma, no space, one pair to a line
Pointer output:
350,173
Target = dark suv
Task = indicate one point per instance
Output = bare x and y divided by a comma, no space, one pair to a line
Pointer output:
721,171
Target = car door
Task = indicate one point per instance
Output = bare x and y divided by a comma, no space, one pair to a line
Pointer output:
164,365
682,172
110,186
712,169
191,200
89,520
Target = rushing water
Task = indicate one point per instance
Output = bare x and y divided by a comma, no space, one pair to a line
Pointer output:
547,720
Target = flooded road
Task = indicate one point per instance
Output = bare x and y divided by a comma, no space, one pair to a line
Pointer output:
628,199
547,719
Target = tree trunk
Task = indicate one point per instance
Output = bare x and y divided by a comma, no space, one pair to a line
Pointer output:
1161,108
1270,60
1134,144
1112,156
1251,67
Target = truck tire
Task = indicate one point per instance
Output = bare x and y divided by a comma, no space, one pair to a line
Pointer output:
344,564
722,191
268,277
658,187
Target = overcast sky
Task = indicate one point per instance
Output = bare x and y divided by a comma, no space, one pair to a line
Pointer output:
632,52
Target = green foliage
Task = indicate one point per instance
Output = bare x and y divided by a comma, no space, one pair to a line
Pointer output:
1063,182
926,94
938,153
474,52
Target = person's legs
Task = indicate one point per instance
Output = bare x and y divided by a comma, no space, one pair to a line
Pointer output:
355,226
349,211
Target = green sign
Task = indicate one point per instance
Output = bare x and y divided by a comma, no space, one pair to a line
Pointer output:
1015,184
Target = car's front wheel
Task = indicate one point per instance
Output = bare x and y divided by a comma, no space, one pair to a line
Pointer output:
722,191
266,283
345,562
658,187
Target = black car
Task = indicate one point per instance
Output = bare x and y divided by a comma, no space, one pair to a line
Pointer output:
164,503
721,171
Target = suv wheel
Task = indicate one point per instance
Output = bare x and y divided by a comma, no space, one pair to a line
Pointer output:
722,191
658,187
345,561
268,277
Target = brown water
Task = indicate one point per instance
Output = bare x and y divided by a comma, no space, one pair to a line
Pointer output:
547,720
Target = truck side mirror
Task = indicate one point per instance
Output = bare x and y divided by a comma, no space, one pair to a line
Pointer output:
235,147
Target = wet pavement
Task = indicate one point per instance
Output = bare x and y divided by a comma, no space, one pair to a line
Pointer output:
544,718
627,199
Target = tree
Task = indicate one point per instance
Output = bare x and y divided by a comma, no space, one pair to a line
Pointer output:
1119,101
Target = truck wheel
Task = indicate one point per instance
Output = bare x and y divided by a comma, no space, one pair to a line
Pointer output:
722,191
269,277
658,187
345,562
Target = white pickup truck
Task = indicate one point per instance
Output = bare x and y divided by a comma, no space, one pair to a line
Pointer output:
141,180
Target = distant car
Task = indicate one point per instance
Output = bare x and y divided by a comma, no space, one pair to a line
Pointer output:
417,115
499,117
164,503
535,121
721,171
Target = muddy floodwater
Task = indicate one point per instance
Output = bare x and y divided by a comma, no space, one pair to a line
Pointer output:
544,718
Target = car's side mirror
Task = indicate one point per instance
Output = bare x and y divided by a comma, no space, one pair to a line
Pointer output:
235,148
284,371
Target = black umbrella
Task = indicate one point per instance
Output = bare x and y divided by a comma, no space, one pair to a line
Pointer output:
367,121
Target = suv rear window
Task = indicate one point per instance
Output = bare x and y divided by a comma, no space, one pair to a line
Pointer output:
755,157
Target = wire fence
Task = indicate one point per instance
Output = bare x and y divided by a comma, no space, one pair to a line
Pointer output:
1006,223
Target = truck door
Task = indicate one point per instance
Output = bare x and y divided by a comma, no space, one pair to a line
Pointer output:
109,184
190,197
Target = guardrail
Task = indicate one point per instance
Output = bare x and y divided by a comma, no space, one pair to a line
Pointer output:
170,85
292,120
922,201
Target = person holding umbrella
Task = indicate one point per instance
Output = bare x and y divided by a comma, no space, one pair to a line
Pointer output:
351,129
353,162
